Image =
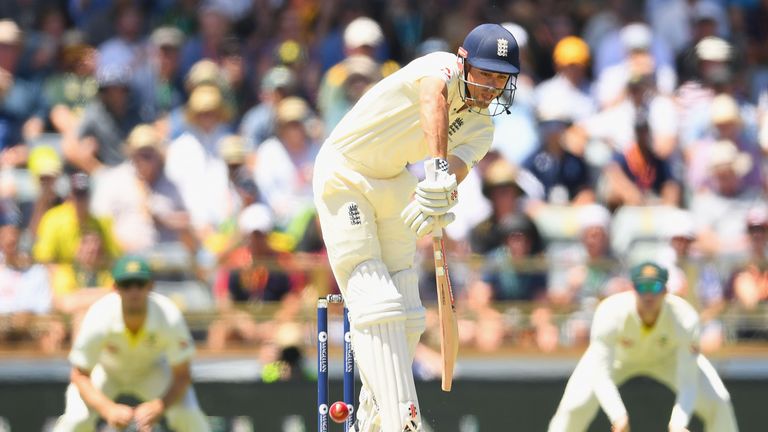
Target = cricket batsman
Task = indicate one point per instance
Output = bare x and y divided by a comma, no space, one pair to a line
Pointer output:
132,342
651,333
436,107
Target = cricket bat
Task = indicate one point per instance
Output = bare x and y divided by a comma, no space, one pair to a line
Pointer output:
449,328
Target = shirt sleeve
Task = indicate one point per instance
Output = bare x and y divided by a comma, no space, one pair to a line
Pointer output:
601,354
475,147
687,372
88,342
181,347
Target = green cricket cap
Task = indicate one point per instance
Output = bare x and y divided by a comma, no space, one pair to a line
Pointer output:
649,277
131,267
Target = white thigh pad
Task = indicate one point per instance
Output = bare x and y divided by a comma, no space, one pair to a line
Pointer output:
378,317
407,283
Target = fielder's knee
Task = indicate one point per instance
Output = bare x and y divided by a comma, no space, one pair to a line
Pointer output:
372,297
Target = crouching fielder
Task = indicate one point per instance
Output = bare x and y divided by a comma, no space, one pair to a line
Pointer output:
132,342
437,106
644,332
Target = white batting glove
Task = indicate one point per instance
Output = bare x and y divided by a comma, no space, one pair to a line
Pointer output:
437,193
422,224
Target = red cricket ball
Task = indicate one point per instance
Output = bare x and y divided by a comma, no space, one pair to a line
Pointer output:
339,412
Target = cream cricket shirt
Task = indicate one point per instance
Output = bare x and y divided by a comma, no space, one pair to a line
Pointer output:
620,341
382,133
104,340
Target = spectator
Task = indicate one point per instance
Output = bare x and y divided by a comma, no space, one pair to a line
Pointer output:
158,80
74,86
570,85
23,108
720,212
259,277
636,40
204,72
714,75
214,27
515,135
516,271
501,187
62,227
727,123
145,207
45,167
362,37
563,173
284,163
25,291
194,165
696,279
750,281
106,123
126,49
258,123
593,277
77,285
638,176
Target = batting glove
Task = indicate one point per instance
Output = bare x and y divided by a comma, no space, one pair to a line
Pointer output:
421,223
437,193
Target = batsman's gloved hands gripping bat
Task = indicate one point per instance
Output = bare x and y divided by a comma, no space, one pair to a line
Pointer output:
433,198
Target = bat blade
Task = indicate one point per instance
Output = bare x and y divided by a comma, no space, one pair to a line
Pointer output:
449,329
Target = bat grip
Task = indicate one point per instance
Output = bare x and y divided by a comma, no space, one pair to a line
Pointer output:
437,231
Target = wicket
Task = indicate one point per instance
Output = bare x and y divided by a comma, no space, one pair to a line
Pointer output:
322,364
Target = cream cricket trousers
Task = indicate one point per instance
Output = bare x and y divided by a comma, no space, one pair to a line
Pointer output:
360,215
579,404
185,415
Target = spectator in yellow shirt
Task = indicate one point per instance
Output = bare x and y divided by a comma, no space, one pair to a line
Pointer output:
61,228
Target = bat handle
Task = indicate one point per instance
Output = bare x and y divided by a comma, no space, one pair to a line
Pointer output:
437,231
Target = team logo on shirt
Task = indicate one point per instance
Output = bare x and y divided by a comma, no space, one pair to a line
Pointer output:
663,341
455,125
112,348
354,214
151,339
626,343
502,47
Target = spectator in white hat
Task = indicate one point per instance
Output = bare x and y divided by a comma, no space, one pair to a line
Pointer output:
721,210
362,37
638,60
694,277
725,122
145,207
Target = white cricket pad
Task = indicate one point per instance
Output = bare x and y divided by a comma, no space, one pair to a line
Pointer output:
378,317
407,283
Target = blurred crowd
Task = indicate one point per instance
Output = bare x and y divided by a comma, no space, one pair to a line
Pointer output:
186,130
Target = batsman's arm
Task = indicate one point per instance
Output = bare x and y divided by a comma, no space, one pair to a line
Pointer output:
433,100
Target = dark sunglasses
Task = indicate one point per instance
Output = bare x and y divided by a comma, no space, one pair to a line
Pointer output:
649,287
128,284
